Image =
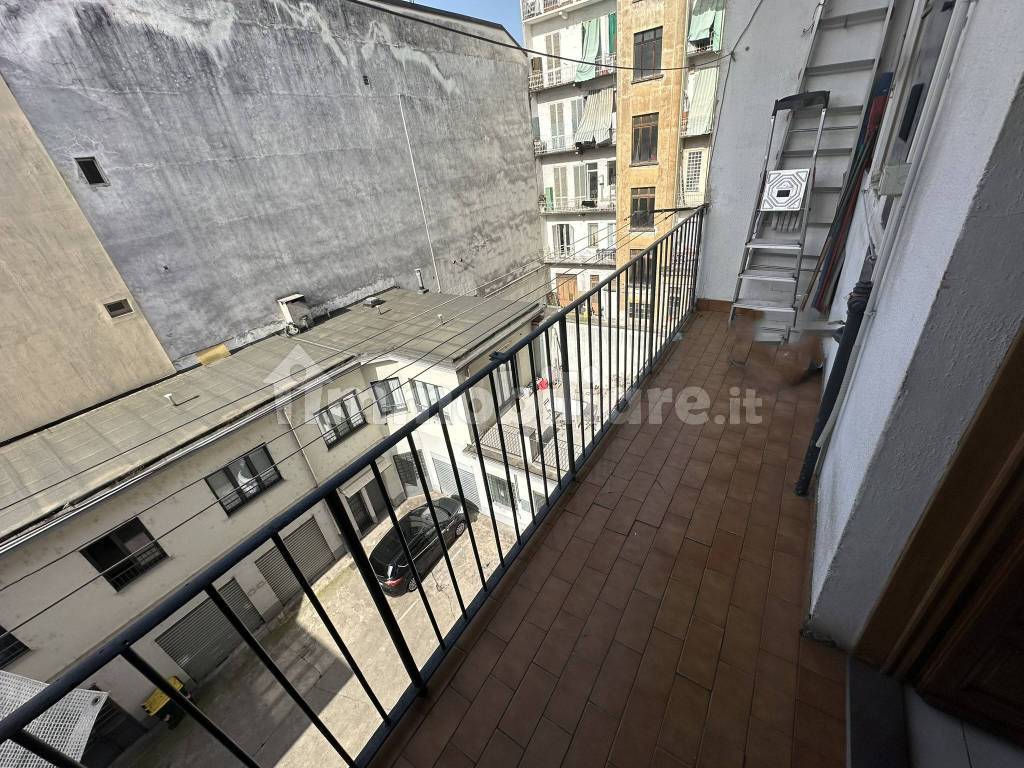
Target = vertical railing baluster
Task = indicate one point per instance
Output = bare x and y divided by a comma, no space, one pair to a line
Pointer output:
437,525
471,413
540,424
185,704
261,653
590,359
696,256
551,402
579,383
563,338
462,496
504,457
600,360
416,575
619,333
332,630
355,549
652,293
514,369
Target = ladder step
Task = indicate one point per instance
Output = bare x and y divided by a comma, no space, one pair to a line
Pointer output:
854,18
761,243
825,152
765,305
769,274
838,67
826,190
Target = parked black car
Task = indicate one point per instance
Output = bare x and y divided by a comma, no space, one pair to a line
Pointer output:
388,558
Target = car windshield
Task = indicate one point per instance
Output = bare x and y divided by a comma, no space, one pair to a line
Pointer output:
451,506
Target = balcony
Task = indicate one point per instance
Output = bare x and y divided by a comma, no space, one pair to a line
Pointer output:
533,8
348,673
559,73
560,144
598,257
579,204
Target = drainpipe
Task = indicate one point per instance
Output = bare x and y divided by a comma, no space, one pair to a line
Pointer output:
419,193
855,306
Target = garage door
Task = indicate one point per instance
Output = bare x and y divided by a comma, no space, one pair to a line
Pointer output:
446,478
310,550
203,638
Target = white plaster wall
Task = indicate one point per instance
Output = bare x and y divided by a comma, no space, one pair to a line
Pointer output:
766,67
948,309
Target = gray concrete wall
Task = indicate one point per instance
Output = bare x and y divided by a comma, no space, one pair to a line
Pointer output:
256,149
766,67
62,352
948,309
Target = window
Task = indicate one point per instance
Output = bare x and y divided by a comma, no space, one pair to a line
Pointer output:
125,554
389,397
694,171
91,171
562,239
645,138
11,648
244,478
577,113
637,310
118,308
340,418
647,54
406,466
556,119
593,235
641,208
424,394
500,492
503,385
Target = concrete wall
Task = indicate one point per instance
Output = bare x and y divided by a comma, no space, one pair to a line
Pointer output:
257,148
62,350
663,95
948,309
766,67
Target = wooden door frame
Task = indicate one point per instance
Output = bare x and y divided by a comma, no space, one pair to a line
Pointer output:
951,551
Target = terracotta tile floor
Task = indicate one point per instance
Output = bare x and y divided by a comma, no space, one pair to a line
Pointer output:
654,619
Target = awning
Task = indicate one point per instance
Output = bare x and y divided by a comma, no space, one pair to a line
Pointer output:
591,46
701,88
705,24
596,121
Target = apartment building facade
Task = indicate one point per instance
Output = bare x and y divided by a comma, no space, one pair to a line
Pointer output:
573,109
104,532
119,277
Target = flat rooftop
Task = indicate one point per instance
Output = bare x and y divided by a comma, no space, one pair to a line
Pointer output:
42,473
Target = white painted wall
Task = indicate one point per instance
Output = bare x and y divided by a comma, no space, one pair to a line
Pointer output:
948,309
766,67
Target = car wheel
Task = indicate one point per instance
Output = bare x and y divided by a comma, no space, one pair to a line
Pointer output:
410,585
460,528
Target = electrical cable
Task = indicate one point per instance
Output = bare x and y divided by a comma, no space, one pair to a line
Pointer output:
315,364
10,631
218,500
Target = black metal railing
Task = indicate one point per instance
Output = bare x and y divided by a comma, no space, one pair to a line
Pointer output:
602,357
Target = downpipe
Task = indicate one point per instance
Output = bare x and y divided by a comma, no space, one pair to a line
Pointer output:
855,306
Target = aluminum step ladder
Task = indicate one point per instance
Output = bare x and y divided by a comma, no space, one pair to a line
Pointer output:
779,222
843,59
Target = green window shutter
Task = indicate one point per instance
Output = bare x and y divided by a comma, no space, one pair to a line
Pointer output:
611,33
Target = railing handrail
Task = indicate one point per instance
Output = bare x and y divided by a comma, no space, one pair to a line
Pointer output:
121,641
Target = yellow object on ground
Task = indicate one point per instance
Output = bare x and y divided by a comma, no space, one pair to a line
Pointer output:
158,699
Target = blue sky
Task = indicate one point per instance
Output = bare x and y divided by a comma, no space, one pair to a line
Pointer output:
505,12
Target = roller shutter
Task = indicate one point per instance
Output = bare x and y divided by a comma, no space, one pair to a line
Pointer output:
203,638
446,478
310,550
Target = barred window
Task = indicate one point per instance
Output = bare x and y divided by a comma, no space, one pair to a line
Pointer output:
244,478
125,554
340,418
